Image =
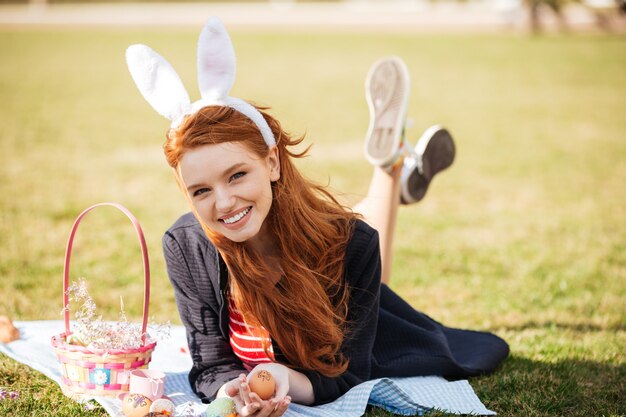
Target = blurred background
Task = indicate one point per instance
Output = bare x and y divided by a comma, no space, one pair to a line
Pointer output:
524,236
534,15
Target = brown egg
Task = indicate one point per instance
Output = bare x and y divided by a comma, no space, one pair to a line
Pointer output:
8,332
135,405
263,384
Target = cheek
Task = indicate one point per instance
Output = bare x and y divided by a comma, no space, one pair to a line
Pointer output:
256,191
203,208
266,194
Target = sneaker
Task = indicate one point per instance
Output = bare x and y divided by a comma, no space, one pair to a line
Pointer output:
387,92
433,153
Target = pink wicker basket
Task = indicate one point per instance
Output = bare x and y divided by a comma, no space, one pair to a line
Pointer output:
101,372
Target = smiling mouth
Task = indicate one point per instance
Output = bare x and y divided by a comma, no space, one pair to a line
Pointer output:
237,217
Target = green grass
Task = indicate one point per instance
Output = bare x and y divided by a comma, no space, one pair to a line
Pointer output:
525,236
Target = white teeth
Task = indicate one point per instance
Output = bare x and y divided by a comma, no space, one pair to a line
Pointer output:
237,217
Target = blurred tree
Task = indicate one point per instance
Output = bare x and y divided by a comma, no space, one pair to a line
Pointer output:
607,13
536,7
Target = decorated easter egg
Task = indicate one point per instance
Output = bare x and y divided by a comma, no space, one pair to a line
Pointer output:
163,405
220,407
263,384
74,339
8,332
135,405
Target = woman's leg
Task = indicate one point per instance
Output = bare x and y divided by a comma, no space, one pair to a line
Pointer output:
404,183
396,180
380,209
387,89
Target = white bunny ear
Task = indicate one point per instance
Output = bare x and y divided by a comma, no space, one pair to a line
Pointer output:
158,82
216,61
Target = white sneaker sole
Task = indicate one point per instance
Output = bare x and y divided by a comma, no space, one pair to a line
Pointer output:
387,89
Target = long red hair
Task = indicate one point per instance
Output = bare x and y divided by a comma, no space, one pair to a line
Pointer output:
304,305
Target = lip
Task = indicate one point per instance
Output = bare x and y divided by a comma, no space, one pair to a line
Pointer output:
238,224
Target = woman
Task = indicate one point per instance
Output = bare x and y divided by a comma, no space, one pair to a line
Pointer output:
271,272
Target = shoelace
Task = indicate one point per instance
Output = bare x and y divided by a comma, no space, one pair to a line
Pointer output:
413,156
409,151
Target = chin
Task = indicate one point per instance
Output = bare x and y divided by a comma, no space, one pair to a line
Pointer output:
240,237
236,239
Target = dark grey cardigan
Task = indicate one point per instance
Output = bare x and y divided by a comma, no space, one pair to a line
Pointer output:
387,337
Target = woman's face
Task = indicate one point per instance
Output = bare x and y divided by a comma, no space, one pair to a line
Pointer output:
230,188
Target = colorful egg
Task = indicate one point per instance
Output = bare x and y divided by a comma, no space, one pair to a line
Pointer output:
163,405
262,383
8,332
135,405
220,407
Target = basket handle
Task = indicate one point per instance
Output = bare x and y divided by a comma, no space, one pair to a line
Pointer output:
144,254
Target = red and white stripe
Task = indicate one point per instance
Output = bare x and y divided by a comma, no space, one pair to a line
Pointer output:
246,340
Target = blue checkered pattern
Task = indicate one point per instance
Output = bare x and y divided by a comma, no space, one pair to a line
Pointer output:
405,396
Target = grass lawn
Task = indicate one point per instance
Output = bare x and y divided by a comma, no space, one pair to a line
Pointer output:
525,236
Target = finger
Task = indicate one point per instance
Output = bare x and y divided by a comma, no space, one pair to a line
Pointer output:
232,388
263,405
239,405
282,407
254,397
244,391
249,410
267,409
236,384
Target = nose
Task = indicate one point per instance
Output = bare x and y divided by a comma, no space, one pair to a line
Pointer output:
224,200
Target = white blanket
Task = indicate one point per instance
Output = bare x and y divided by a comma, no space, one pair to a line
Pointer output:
408,396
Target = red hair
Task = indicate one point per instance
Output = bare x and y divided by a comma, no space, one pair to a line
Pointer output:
304,304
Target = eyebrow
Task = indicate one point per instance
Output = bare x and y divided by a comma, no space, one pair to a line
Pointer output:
224,174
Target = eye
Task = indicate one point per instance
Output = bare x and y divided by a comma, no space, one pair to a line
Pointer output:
200,191
237,176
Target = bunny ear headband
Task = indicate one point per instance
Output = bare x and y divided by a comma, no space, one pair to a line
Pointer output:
161,86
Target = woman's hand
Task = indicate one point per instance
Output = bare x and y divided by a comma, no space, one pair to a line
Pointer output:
289,382
249,404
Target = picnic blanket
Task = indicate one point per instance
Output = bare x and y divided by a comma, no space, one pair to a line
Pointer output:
406,396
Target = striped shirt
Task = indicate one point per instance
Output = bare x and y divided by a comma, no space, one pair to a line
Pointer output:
247,340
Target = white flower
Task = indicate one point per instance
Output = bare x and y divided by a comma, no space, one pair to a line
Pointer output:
100,377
